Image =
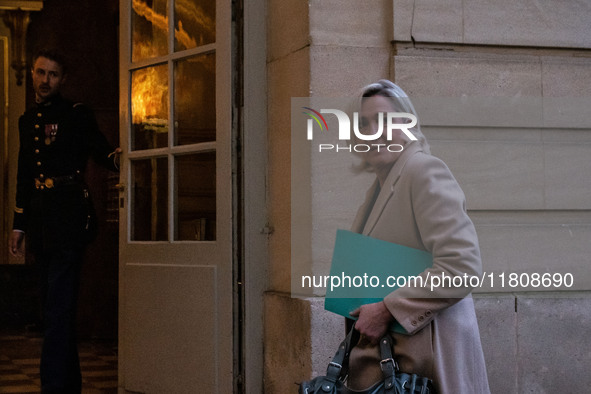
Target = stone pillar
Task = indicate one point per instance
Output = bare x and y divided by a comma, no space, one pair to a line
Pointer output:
315,49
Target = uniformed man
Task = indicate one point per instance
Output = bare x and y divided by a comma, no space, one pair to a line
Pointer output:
53,209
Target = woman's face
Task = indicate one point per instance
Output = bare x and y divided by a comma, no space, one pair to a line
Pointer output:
379,157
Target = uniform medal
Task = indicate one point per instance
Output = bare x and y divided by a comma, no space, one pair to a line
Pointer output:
50,133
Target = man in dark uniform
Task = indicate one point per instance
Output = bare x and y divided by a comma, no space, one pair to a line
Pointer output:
53,208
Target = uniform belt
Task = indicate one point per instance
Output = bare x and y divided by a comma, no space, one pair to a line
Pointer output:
50,183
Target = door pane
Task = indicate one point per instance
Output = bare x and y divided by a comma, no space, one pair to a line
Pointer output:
149,24
194,99
194,23
149,107
196,197
149,200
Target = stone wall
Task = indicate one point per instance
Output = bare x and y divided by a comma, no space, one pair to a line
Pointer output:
525,175
525,181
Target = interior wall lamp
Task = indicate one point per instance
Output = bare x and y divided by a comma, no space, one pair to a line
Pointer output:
16,14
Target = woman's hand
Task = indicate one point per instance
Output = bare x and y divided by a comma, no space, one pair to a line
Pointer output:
373,321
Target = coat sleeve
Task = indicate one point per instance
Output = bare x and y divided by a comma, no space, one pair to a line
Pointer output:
96,143
447,232
24,180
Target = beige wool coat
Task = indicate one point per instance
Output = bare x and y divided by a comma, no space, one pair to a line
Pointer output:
422,206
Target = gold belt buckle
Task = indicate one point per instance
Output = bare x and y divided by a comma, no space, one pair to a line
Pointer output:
47,183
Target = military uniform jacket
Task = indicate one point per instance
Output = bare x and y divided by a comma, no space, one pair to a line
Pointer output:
52,203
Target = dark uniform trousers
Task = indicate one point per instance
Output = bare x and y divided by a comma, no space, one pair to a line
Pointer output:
60,366
54,211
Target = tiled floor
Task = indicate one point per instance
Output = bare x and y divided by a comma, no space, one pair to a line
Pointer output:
19,365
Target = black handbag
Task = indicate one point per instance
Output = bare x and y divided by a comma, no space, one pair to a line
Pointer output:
394,381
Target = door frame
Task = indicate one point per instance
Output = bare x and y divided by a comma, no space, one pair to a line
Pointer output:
255,227
250,228
4,162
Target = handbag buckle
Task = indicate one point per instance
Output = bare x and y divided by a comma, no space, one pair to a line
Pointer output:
334,370
387,360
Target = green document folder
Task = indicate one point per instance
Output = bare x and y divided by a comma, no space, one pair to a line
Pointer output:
360,269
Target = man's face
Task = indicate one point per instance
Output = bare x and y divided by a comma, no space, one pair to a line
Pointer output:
47,78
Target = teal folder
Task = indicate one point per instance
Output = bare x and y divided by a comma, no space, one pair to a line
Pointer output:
361,268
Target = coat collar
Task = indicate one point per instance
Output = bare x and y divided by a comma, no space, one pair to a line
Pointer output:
370,212
55,100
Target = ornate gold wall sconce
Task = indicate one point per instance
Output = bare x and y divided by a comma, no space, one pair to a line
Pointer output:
16,14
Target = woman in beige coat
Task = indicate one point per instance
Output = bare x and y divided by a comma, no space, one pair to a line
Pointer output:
415,201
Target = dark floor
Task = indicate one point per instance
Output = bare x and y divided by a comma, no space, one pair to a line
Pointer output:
19,364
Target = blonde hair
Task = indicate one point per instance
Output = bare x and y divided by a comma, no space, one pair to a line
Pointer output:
400,101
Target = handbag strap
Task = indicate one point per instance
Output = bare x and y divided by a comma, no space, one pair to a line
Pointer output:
340,362
388,365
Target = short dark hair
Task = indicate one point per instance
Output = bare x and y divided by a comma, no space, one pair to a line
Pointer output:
52,54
